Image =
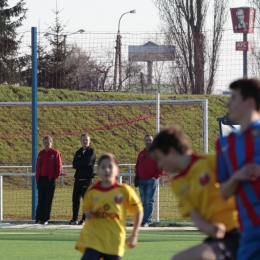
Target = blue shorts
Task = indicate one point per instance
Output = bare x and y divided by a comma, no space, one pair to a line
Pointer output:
92,254
249,248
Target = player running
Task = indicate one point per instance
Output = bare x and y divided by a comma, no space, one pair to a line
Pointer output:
105,205
198,193
238,159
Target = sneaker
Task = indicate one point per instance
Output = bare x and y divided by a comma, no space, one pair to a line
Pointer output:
43,222
81,222
37,221
145,225
72,222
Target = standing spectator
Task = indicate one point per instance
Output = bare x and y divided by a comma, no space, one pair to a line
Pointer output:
48,169
83,162
147,173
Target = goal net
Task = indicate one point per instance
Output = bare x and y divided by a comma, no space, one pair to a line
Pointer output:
114,126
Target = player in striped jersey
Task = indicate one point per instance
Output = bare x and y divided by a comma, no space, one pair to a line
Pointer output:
238,160
105,205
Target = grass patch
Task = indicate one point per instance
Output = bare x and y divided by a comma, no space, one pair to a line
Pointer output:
32,244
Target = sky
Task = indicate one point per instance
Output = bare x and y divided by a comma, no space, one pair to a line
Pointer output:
96,15
93,15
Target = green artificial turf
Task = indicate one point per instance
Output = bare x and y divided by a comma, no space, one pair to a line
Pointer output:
42,244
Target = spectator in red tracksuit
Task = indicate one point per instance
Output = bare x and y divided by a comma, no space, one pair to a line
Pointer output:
148,174
48,169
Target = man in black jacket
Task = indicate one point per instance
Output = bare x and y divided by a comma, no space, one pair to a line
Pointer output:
83,162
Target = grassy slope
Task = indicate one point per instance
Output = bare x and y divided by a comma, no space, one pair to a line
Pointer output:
125,141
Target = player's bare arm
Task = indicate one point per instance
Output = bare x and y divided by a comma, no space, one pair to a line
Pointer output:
249,172
131,241
214,230
89,214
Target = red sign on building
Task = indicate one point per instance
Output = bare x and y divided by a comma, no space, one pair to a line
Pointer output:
243,19
243,46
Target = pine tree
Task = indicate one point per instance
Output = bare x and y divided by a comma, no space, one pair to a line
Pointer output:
11,18
53,70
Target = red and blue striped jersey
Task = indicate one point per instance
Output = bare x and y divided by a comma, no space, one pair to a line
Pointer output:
234,152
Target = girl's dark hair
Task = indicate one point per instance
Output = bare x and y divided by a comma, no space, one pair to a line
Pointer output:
109,156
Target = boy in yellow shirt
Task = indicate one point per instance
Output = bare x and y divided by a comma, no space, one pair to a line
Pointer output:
106,205
198,193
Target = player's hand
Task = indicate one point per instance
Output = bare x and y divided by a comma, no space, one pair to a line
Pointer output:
217,230
249,172
89,213
131,241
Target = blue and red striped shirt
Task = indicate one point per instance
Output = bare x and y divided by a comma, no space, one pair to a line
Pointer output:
234,152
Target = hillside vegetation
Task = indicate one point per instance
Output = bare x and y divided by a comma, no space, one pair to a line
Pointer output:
117,129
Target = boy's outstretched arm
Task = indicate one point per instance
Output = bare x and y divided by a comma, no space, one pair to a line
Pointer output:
214,230
131,241
249,172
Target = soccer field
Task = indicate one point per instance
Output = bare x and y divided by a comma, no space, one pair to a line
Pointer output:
43,244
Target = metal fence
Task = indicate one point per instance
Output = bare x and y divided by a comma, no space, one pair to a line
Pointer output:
16,195
87,61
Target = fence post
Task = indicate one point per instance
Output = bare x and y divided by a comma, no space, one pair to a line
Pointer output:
34,117
62,177
1,198
205,125
157,215
130,174
120,179
27,184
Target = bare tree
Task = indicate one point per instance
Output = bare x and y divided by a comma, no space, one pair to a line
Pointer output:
90,74
197,53
254,55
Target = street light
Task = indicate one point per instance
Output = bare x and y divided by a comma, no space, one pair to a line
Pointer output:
118,53
130,12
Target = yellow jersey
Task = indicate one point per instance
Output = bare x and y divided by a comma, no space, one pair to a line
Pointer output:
196,188
106,231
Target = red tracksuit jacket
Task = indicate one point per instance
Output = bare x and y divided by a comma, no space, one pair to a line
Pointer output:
54,164
146,167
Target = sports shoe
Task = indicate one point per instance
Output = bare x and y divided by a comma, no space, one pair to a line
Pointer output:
72,222
43,222
81,222
145,225
37,221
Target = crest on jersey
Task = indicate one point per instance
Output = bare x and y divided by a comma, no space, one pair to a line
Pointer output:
118,199
204,179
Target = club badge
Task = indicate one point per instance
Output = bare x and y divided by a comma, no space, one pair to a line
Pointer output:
118,199
204,179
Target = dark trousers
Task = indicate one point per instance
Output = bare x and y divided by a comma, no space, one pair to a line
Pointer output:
46,190
92,254
79,190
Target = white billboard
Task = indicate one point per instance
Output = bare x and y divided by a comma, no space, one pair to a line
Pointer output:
151,52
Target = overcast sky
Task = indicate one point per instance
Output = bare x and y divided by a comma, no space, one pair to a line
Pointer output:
96,15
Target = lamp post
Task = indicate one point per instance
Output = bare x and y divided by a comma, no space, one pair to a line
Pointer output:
118,53
64,44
